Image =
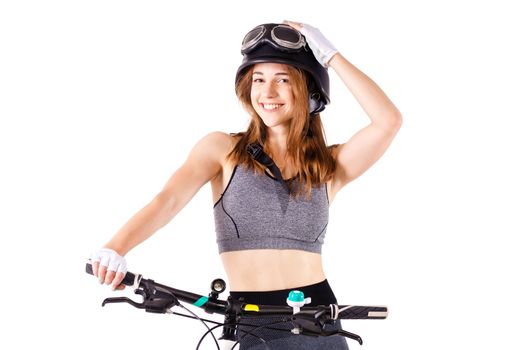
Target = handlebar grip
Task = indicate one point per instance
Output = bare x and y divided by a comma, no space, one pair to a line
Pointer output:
128,280
363,312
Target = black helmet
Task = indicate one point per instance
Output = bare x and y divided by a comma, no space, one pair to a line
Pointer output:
280,43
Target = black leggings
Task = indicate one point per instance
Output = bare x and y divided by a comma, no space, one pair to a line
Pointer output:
321,294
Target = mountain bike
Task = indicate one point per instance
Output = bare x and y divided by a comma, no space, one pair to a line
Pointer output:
310,321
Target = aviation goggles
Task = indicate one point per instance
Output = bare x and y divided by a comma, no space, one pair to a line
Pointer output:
280,36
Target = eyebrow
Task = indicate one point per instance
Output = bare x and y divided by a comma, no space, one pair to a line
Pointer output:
279,73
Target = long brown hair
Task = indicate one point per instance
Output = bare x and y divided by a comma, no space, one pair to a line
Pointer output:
306,146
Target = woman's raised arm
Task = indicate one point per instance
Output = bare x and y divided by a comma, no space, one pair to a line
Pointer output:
366,146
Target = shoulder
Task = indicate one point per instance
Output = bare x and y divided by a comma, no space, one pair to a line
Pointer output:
218,140
216,145
217,137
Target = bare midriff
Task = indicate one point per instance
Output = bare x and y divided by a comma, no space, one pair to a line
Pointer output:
271,269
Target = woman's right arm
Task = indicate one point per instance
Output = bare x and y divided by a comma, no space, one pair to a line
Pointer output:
204,162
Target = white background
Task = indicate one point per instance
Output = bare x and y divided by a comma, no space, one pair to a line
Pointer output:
100,101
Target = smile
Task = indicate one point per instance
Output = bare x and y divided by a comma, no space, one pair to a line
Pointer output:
270,106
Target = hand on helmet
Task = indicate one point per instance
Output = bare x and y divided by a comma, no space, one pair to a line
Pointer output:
109,267
323,49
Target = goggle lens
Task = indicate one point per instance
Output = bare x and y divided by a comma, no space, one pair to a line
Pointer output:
253,36
286,34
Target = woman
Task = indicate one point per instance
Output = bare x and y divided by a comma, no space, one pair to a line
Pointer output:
272,184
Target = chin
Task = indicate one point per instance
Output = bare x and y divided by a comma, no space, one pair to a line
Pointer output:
276,120
271,122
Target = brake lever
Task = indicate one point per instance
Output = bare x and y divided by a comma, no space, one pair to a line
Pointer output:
353,336
154,300
139,291
123,300
314,325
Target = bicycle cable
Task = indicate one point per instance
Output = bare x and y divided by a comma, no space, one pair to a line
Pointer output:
219,324
257,328
195,316
222,325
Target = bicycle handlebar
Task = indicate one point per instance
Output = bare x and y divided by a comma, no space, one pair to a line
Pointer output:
160,298
219,306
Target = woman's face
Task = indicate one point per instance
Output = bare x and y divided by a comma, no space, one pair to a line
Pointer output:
271,93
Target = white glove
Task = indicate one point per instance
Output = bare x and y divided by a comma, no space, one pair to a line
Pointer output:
110,259
322,49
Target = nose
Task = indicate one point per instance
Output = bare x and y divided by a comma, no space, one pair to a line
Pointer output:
269,90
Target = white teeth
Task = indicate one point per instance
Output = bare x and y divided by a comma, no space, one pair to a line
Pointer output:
270,106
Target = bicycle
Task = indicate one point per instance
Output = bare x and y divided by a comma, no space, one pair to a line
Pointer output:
311,321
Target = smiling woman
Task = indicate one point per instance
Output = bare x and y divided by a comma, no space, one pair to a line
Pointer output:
270,231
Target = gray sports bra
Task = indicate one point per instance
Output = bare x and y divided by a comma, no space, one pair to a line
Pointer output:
256,212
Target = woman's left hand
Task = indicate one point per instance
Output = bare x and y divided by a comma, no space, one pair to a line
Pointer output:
323,49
